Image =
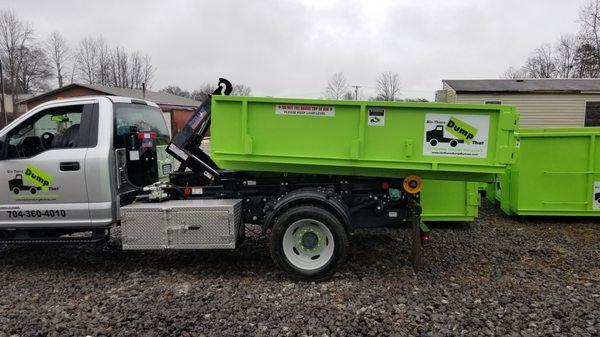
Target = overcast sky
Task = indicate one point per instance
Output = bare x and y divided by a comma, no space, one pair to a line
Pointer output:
291,48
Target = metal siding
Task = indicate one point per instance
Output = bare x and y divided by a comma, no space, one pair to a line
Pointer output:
450,93
539,110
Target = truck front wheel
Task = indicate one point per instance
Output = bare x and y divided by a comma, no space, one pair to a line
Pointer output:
308,243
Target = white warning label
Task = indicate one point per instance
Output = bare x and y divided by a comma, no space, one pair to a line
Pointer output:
305,110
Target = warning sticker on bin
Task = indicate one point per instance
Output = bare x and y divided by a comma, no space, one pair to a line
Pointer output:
597,195
376,117
456,135
305,110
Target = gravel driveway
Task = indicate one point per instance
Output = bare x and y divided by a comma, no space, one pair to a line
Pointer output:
500,276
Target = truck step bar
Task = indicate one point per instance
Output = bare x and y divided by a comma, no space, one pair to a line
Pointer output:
35,237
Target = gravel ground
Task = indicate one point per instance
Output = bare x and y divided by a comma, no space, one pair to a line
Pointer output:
498,276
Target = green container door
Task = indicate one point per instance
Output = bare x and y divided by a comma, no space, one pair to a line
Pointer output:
444,200
376,139
557,172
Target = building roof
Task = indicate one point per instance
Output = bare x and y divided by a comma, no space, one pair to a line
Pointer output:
160,98
526,85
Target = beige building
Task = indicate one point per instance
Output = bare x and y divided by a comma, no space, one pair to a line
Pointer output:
541,102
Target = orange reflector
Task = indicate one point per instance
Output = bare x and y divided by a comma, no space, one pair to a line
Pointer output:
413,184
187,191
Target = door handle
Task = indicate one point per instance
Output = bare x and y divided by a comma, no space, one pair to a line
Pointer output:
69,166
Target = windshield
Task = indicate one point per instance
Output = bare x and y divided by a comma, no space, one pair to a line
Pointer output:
143,117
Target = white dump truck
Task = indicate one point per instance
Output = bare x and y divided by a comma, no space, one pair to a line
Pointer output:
85,165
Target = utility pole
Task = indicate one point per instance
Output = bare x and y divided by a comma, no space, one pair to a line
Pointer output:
356,87
2,105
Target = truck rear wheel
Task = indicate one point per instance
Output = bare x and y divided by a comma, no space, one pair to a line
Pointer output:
308,243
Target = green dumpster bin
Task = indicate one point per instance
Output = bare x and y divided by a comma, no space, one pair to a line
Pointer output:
557,172
375,139
446,200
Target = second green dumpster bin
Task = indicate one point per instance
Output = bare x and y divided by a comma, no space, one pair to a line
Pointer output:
556,172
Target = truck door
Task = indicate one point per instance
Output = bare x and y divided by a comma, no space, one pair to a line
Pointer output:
42,164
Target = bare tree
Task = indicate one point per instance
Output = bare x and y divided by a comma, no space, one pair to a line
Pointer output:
564,56
589,18
147,71
58,54
141,70
203,92
98,63
103,64
572,56
119,68
541,63
241,90
87,60
15,36
176,90
514,73
388,86
587,61
35,70
337,86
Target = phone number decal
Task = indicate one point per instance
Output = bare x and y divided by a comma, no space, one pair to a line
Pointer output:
37,214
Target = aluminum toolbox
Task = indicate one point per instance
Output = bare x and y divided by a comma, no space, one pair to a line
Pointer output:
182,224
466,142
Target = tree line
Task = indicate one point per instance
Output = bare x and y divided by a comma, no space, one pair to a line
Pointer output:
387,88
205,90
33,64
572,56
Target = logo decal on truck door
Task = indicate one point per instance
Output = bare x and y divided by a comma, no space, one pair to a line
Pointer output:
456,135
31,184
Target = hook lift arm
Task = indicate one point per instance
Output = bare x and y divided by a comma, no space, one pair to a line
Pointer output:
185,146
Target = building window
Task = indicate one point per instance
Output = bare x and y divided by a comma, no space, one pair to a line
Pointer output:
493,102
592,114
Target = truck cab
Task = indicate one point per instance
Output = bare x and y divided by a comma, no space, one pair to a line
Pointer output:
60,161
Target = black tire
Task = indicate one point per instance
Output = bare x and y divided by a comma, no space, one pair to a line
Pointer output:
16,190
453,143
333,223
433,142
33,190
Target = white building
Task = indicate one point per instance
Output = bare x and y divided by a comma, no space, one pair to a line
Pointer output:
541,102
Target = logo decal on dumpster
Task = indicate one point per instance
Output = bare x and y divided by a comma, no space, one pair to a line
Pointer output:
449,135
461,130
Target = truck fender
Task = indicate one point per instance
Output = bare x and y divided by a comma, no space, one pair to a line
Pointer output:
315,196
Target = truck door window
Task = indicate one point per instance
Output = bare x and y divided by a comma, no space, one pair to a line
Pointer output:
55,128
141,118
